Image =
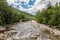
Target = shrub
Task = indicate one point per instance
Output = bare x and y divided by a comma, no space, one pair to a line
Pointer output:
50,16
8,14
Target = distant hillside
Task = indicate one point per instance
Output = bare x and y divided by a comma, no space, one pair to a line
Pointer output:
18,11
10,15
27,15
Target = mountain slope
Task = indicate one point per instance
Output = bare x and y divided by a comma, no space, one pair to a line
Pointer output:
9,14
12,9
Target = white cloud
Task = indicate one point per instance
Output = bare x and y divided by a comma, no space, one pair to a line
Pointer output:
39,4
10,1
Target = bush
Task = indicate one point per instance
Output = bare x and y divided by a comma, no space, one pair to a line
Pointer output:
50,16
8,14
6,18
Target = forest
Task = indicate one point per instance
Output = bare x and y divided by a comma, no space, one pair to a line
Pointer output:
10,15
50,16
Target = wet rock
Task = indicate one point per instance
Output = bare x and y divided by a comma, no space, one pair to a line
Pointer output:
28,31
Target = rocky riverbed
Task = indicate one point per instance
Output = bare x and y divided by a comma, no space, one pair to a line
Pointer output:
30,30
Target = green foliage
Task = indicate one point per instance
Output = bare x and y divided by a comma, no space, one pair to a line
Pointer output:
50,16
8,14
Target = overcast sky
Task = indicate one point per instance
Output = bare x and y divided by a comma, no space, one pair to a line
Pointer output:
32,9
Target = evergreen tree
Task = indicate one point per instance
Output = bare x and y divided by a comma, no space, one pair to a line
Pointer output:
50,16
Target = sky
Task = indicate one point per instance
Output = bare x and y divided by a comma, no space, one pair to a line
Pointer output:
30,6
